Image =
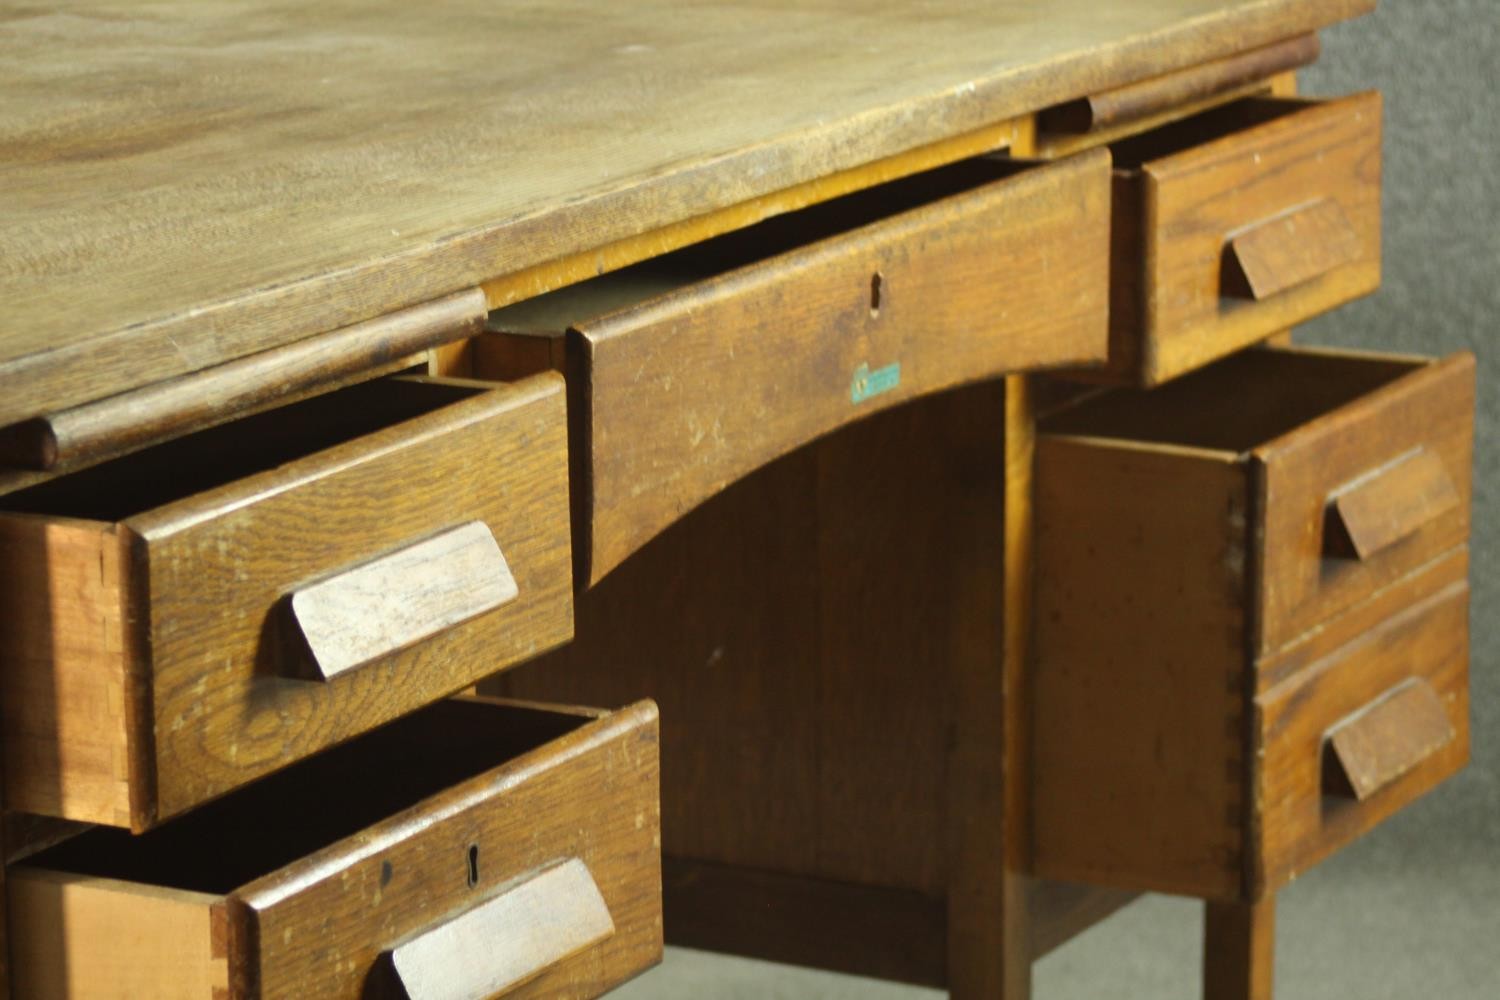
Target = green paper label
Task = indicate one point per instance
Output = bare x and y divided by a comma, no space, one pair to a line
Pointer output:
868,384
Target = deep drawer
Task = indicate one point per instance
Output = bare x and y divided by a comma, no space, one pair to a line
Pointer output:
473,849
193,616
1338,472
1372,715
1193,544
1237,224
689,372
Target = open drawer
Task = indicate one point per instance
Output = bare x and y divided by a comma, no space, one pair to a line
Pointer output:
1210,557
474,849
1322,475
1238,223
688,372
1359,719
192,616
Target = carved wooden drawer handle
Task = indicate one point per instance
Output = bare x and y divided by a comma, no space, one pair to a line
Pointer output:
1393,502
1293,248
402,597
1383,741
507,940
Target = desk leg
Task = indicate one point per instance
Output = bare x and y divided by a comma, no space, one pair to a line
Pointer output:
1239,948
989,933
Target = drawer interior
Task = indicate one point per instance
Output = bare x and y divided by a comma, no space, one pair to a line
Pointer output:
553,312
1188,133
317,802
159,475
1238,404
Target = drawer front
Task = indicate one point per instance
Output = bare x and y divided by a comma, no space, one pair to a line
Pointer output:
1226,243
542,881
1358,498
536,877
197,614
690,391
301,608
1362,732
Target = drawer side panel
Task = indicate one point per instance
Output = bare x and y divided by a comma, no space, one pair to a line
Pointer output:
1139,667
75,937
65,694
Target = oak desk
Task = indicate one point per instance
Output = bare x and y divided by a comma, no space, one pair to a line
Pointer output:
294,299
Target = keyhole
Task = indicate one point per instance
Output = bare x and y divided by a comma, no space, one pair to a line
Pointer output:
473,865
876,283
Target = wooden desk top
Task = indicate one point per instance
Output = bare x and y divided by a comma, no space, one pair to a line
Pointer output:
185,184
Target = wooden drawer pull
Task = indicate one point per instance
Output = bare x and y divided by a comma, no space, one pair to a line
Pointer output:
402,597
507,940
1383,741
1380,509
1291,249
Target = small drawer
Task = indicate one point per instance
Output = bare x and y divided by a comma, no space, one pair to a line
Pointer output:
1334,473
193,616
1193,543
1237,224
473,849
692,370
1371,716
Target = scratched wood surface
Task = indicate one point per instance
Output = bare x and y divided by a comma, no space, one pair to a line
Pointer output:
1187,754
300,885
826,315
188,184
1241,181
163,665
1301,820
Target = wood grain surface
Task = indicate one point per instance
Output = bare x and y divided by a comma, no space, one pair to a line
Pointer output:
203,685
165,409
805,631
1200,185
1366,441
1190,751
1389,505
1161,94
1298,822
1387,739
79,936
1140,708
68,679
913,288
508,940
187,185
990,711
395,600
1239,950
303,884
589,795
892,934
1277,255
